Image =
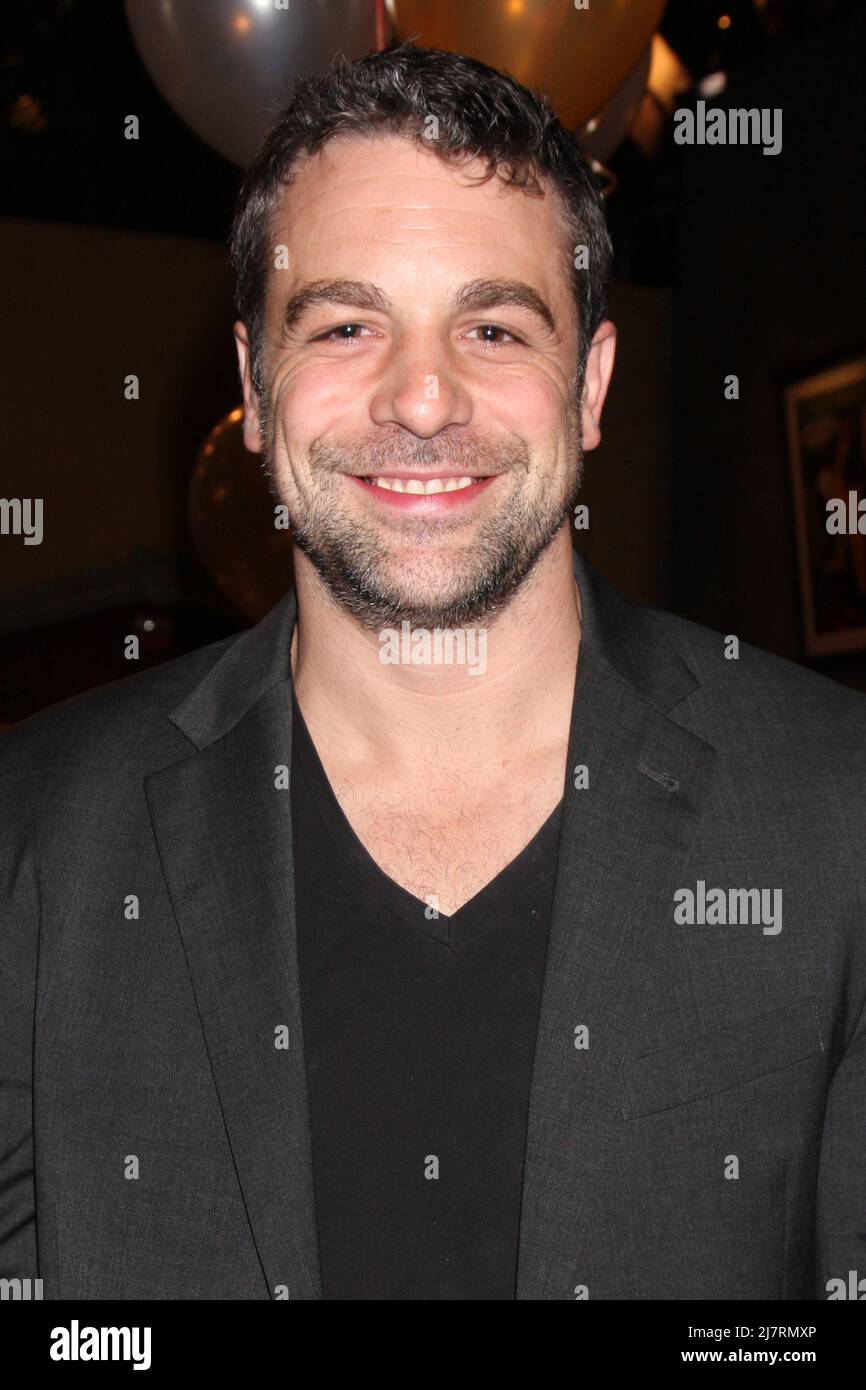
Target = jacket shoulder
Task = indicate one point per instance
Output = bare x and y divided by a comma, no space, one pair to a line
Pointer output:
763,698
125,718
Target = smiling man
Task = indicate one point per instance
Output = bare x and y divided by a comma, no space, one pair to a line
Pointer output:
371,979
428,452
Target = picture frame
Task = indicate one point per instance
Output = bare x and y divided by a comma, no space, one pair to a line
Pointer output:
825,415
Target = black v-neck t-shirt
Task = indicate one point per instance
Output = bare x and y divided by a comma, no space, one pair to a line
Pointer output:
419,1036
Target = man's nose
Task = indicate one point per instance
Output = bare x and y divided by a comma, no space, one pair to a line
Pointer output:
421,388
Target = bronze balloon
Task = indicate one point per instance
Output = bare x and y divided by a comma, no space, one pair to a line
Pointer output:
605,132
231,511
578,56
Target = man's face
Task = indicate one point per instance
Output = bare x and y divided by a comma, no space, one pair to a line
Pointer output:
444,347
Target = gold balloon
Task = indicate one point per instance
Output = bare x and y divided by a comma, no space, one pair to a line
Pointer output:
608,128
578,57
231,512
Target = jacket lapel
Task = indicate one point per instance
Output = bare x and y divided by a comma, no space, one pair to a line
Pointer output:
623,843
225,841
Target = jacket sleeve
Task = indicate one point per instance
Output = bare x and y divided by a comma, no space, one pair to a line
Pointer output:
19,927
841,1208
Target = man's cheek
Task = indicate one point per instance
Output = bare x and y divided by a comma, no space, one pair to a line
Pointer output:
317,392
531,396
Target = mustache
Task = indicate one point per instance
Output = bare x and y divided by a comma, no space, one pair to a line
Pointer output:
475,455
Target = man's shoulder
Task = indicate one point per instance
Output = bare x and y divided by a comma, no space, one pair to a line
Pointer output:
748,696
125,718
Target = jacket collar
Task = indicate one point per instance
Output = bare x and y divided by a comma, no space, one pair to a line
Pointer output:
624,636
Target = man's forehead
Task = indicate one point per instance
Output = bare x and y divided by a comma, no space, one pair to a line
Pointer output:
388,173
357,192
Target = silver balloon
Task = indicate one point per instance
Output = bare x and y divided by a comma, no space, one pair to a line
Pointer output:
227,67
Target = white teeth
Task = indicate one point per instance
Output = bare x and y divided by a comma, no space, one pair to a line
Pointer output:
416,485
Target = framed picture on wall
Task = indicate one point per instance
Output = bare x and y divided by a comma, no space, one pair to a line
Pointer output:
826,425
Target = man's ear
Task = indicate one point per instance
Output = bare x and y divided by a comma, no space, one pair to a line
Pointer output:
252,422
599,369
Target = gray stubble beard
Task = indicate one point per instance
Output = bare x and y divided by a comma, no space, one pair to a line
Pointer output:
348,557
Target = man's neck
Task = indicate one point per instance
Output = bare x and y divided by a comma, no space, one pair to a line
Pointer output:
405,717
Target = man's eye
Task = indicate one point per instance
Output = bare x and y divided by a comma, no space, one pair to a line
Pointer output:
492,334
489,328
343,333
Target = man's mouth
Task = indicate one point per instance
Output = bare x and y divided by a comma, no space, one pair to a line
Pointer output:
427,493
422,486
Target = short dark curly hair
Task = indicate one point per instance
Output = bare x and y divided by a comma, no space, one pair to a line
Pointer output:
479,113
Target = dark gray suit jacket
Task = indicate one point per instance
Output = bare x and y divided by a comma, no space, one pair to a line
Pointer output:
697,1123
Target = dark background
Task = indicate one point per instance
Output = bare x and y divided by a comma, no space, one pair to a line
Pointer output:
114,254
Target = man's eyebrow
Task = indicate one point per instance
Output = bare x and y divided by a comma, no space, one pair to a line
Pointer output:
362,294
491,294
354,294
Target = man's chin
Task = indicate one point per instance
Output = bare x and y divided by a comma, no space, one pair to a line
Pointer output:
459,587
388,600
393,606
